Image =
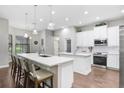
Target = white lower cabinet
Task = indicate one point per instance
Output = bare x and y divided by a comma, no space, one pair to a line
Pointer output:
118,62
113,61
81,64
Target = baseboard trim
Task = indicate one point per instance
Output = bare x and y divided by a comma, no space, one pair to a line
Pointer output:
113,68
4,66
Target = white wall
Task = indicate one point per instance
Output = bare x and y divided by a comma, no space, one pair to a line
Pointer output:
48,38
66,33
33,47
49,42
3,42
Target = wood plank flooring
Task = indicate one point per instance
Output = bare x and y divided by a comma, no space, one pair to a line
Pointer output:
6,80
98,78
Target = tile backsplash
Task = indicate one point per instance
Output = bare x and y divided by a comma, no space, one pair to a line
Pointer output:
109,50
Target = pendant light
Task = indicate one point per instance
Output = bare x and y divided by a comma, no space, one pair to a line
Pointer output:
25,34
35,30
51,24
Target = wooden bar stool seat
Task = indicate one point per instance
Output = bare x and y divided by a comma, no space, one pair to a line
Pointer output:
40,76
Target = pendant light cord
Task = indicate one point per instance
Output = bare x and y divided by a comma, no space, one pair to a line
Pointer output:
50,8
26,35
35,6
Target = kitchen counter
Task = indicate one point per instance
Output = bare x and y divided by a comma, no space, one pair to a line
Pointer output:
85,54
47,61
62,67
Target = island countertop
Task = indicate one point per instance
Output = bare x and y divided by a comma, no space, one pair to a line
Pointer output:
47,61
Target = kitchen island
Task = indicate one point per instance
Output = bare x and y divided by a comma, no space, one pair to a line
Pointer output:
62,67
82,61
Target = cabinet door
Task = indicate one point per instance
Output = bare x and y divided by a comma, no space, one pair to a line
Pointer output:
100,32
79,39
96,34
113,61
117,62
90,38
113,36
85,38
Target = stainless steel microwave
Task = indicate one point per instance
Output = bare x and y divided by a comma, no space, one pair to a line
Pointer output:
99,42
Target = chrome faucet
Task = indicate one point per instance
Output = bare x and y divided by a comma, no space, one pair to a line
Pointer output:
42,50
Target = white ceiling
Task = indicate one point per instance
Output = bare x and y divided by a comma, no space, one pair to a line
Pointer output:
16,14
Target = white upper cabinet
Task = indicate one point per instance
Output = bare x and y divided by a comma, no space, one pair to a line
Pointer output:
89,38
113,36
79,39
100,32
85,38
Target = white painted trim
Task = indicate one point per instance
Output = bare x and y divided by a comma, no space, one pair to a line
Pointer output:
4,66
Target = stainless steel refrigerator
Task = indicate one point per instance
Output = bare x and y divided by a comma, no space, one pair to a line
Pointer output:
121,84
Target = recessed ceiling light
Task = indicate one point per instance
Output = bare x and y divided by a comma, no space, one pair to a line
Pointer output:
66,19
97,18
52,12
41,20
122,11
85,12
80,22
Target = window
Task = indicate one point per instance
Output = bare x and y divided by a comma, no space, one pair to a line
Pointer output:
22,45
10,45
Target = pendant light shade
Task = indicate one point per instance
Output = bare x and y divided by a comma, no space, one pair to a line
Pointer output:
30,37
51,25
26,35
35,31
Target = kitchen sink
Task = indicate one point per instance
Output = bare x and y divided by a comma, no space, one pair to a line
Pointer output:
45,56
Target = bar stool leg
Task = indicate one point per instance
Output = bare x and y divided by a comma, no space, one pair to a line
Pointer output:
51,82
36,84
43,84
11,68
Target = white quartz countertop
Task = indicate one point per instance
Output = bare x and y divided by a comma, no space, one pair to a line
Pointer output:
85,54
48,61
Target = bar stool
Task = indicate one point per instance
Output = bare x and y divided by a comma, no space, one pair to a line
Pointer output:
22,75
12,65
39,77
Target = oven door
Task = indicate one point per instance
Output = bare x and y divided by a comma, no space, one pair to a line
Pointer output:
100,60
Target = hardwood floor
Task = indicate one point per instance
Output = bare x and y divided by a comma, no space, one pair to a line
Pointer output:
6,80
98,78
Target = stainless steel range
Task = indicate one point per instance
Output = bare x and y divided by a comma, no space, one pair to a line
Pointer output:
100,59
